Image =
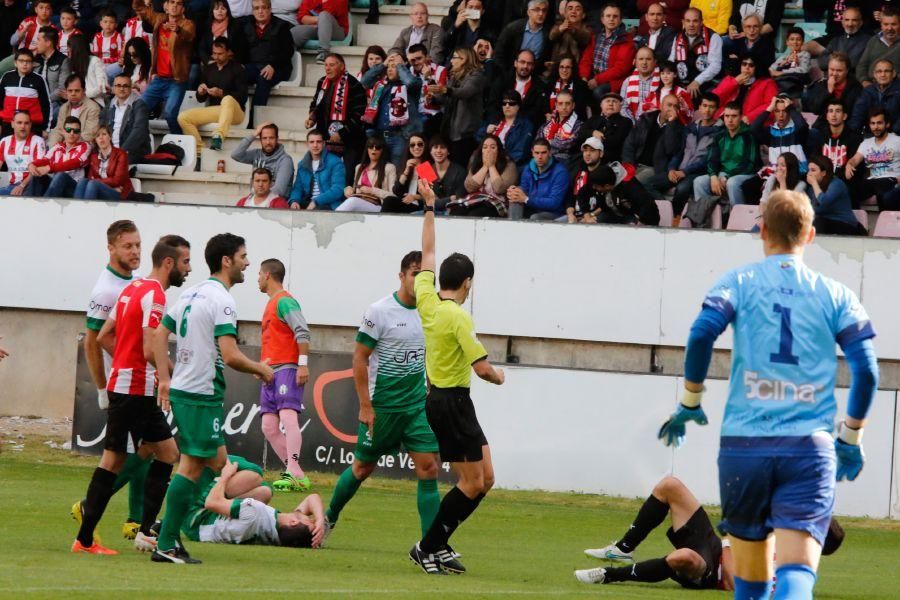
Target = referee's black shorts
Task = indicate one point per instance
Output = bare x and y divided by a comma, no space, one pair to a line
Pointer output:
137,416
452,418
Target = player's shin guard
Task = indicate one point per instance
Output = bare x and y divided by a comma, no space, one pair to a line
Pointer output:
428,501
154,492
648,571
179,498
795,582
752,590
346,487
99,491
455,508
653,512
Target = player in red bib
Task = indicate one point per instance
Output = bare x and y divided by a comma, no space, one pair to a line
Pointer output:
285,347
133,411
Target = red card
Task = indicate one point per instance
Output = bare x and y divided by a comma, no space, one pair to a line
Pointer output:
426,172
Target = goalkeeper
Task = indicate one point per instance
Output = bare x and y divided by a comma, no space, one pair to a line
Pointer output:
777,459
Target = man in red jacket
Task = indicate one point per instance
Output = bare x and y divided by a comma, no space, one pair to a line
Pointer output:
262,195
327,20
59,171
609,58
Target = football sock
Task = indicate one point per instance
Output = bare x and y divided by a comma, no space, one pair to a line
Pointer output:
179,498
346,486
292,439
99,491
648,571
136,488
455,508
794,581
652,513
752,590
270,429
154,492
428,501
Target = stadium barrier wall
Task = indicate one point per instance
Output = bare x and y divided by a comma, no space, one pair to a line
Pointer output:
550,429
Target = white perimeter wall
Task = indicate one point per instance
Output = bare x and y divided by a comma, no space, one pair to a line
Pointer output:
552,429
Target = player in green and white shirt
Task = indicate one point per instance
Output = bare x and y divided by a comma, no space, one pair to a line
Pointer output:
389,372
204,321
234,509
124,244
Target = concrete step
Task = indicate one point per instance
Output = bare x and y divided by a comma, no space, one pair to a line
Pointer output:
382,35
399,15
182,198
227,187
286,117
297,98
294,142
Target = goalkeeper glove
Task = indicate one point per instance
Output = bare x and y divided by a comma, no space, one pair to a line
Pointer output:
102,399
672,431
849,451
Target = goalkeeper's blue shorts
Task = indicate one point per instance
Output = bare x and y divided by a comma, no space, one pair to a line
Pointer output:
768,483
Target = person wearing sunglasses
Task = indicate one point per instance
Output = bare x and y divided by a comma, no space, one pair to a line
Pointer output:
513,129
752,88
393,109
136,63
57,174
373,180
406,198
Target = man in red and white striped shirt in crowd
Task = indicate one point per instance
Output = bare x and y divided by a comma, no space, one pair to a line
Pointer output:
134,27
108,44
59,171
133,412
18,151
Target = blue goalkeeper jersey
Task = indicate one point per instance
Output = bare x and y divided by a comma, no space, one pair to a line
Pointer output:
786,319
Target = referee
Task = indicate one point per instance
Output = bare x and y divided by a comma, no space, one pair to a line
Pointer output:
451,350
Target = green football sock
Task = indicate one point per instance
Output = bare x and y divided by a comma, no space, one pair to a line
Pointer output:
179,498
131,463
346,486
136,488
429,502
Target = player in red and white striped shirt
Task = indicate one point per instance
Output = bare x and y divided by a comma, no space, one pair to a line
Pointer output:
133,412
26,34
18,151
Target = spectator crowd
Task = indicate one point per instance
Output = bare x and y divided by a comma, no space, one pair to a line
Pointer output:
519,109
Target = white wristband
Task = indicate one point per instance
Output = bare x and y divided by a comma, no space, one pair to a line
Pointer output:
302,360
691,399
102,398
849,435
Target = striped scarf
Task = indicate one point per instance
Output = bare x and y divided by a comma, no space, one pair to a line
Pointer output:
682,47
637,91
602,46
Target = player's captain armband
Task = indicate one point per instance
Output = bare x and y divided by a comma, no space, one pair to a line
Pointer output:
692,399
848,435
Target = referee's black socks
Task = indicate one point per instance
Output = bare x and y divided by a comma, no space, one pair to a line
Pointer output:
455,508
154,493
649,571
652,513
99,492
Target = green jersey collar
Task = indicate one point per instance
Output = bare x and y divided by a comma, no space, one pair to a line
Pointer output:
119,275
407,306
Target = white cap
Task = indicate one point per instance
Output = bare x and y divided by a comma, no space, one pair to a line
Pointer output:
594,142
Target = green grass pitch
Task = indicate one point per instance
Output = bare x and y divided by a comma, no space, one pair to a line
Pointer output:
517,545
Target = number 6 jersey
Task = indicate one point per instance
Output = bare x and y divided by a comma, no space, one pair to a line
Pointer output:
786,319
203,314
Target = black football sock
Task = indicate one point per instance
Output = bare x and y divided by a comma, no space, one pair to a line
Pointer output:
652,513
155,487
649,571
455,508
99,492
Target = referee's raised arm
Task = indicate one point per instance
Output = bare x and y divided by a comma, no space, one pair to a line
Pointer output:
427,227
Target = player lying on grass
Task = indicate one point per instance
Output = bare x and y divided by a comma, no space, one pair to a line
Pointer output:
235,510
700,560
778,462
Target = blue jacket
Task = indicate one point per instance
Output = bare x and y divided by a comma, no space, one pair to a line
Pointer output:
413,93
330,177
518,140
546,191
871,97
834,203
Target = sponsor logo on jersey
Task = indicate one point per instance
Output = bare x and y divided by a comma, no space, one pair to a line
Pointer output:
405,357
101,307
777,389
